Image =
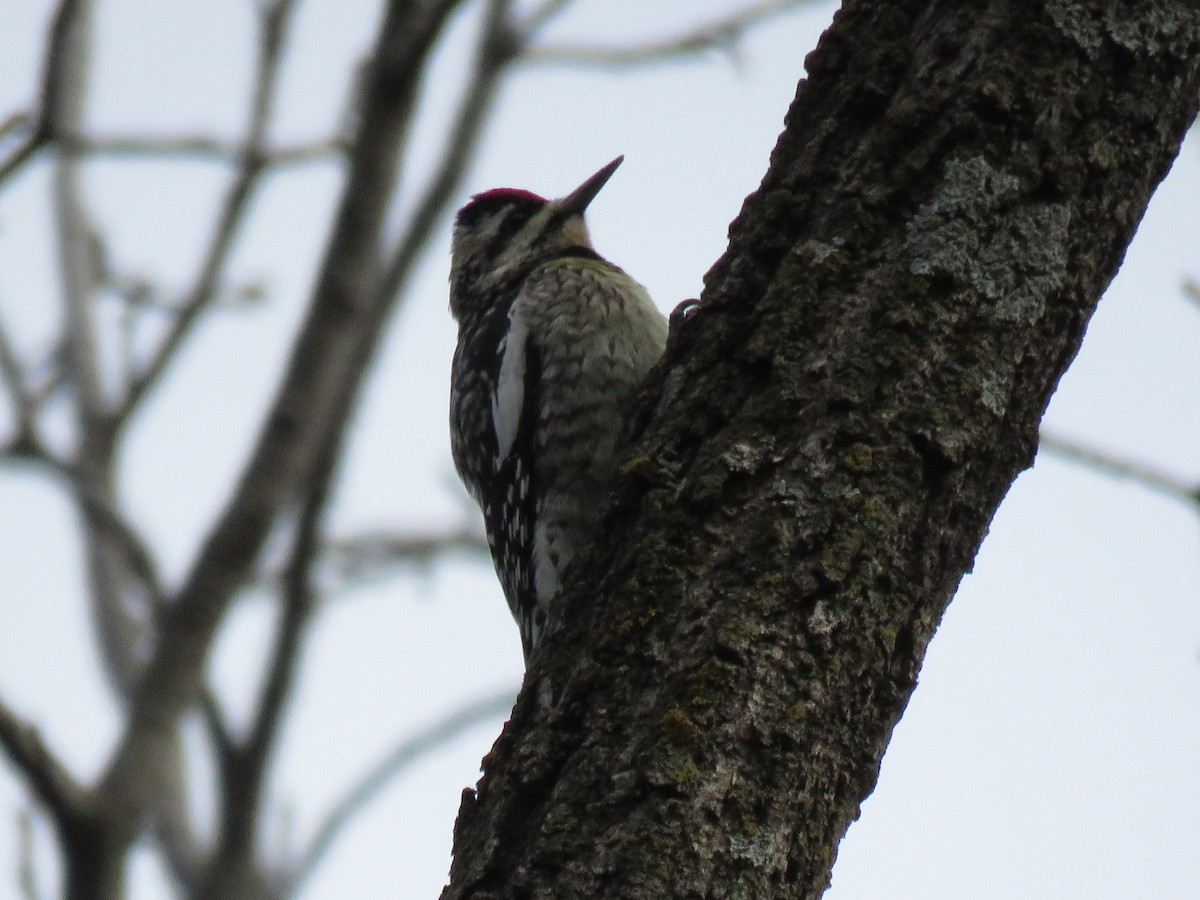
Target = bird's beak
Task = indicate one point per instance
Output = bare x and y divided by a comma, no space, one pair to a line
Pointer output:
577,201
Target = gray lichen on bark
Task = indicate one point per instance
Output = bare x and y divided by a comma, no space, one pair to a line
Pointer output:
1016,259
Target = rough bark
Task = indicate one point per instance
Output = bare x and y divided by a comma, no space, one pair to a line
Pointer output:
825,445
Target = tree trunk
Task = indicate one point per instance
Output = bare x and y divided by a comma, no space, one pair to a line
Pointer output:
825,445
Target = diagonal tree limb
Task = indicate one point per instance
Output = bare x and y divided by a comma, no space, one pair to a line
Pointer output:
103,517
252,162
12,374
49,374
244,766
54,70
55,788
369,786
299,603
723,34
106,519
75,258
14,121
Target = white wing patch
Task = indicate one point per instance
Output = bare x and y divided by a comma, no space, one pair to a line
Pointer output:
508,398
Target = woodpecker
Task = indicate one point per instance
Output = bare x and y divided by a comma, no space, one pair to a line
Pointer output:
553,344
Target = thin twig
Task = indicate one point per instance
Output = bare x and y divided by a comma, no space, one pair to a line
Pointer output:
499,46
106,519
51,783
382,773
1191,289
137,554
354,558
244,767
237,201
26,866
13,376
43,125
1143,474
50,374
201,148
723,34
215,724
14,121
76,258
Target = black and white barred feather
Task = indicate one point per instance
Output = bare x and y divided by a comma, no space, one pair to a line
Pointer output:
553,344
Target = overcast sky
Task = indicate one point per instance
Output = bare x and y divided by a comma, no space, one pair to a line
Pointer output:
1051,748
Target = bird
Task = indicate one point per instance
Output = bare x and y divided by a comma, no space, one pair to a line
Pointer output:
554,343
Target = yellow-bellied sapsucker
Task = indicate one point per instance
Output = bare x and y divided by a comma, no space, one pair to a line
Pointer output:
553,344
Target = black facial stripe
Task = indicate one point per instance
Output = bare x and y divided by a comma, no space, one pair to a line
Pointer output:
481,208
512,221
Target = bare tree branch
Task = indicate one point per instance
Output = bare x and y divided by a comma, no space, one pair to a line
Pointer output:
1191,289
122,547
202,148
121,634
118,561
724,35
355,558
244,766
498,47
216,724
50,374
14,121
1105,463
379,776
42,127
300,421
51,783
104,517
138,557
272,29
184,851
247,765
13,376
75,233
26,870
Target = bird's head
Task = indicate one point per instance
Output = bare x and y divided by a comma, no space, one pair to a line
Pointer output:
501,234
